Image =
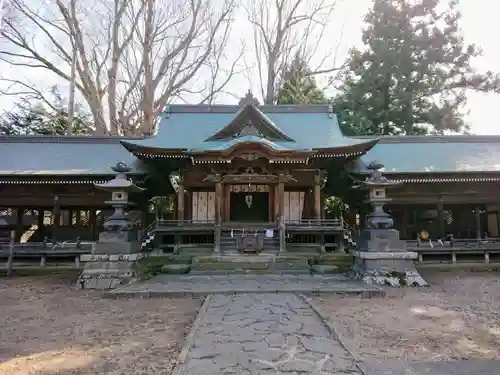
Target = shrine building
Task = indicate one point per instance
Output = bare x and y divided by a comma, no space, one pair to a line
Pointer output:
221,169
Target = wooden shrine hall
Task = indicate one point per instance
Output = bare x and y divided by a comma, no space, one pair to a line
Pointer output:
215,173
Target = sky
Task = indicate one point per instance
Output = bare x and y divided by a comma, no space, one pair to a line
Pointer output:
480,25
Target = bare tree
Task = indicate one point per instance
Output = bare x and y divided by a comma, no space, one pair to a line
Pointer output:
133,56
283,30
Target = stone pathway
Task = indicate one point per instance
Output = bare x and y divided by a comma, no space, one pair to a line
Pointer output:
203,285
458,367
262,334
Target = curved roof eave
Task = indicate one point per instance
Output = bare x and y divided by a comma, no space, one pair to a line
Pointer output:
134,147
230,146
359,147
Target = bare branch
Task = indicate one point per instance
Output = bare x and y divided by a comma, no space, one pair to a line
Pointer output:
133,56
284,29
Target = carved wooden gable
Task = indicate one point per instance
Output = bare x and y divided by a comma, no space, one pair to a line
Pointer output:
250,121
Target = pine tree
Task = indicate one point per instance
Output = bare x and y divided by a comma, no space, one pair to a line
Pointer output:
413,73
38,119
299,87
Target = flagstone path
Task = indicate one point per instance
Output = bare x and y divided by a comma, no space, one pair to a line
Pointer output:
262,334
204,285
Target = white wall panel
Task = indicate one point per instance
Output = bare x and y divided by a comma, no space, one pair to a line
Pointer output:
203,206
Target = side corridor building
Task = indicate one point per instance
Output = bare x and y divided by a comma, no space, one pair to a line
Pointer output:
250,166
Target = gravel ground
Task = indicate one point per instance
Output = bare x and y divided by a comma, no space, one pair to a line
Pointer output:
458,317
47,327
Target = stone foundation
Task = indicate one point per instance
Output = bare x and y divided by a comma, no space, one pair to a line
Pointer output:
396,269
108,271
383,259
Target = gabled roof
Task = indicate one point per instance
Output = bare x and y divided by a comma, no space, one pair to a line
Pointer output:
435,154
250,118
295,127
228,144
63,156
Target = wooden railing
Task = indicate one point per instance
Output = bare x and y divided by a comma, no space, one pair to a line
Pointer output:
469,251
44,247
460,243
166,224
304,223
43,251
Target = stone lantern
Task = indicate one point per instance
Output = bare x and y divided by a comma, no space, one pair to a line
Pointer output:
377,186
113,261
381,257
118,226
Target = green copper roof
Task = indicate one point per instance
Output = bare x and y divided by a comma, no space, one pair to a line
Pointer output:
68,156
227,144
188,127
436,154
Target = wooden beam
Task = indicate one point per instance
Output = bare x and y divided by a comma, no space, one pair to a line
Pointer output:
317,197
281,200
218,215
180,201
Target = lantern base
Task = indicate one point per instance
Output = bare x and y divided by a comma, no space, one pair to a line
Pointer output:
108,271
113,262
382,259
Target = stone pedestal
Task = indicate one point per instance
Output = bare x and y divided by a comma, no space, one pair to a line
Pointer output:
114,259
382,259
113,262
108,271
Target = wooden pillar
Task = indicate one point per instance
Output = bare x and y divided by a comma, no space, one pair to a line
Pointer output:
281,208
317,197
440,221
56,219
479,233
227,202
180,201
218,215
276,198
404,224
19,223
41,214
93,224
188,204
271,213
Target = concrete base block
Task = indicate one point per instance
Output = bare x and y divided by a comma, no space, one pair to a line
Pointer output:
176,268
117,248
100,272
386,265
324,269
394,278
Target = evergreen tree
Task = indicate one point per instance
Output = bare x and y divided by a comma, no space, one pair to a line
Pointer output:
299,87
36,119
413,73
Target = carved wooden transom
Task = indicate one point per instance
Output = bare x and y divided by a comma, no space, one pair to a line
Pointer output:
249,156
249,129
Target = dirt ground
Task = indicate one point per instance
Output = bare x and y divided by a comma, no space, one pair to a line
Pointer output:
458,317
47,327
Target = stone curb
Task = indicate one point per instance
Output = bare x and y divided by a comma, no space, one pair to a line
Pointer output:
364,293
330,329
189,339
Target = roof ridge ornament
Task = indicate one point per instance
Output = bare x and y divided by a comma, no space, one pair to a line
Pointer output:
330,110
120,167
248,99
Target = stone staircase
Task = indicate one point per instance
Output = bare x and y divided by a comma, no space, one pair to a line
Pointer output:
228,243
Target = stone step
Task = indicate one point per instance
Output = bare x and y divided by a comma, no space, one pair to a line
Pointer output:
242,263
252,272
234,252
